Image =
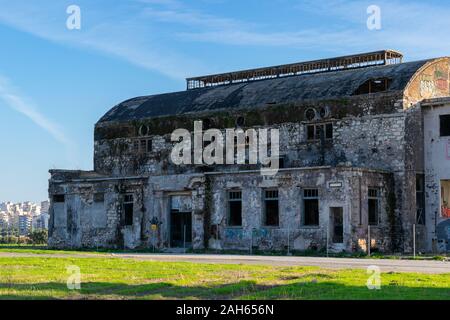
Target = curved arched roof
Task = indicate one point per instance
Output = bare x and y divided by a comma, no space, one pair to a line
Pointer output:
256,94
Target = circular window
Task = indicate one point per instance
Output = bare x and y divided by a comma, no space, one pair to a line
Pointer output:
143,130
324,112
240,121
310,114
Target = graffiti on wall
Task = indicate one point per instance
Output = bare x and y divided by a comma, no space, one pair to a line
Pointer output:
434,83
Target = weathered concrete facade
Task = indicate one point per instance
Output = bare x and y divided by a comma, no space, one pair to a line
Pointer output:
361,170
437,173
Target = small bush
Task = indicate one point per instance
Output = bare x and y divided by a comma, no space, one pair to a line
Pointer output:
38,237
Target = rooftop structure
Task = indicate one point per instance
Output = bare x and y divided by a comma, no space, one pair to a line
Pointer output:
383,57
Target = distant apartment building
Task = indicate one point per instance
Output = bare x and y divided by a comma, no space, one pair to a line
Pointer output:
45,206
24,225
21,218
4,220
40,222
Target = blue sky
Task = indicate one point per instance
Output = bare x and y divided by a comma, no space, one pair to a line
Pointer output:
55,83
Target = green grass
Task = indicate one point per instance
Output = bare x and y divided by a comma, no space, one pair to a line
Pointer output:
117,278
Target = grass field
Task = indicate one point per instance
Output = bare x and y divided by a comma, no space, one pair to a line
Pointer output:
115,278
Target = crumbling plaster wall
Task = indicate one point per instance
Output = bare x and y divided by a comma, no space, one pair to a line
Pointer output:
80,221
290,183
437,168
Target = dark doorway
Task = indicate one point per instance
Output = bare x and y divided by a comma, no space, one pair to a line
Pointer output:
180,229
337,225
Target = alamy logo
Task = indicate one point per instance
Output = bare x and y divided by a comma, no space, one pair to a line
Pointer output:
74,278
210,147
74,19
374,19
374,280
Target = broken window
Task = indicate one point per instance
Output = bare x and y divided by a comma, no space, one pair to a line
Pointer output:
58,198
374,206
337,224
420,199
235,208
99,197
310,132
329,131
319,131
311,207
142,146
128,205
271,212
445,125
373,86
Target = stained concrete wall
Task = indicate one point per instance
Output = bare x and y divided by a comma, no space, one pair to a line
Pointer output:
437,168
206,196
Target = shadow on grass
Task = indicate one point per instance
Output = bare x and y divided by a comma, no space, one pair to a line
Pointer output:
236,290
24,246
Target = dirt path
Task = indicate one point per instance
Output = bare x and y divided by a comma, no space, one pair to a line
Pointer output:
385,265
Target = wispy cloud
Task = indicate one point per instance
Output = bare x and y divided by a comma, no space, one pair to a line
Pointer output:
153,33
128,37
16,101
406,26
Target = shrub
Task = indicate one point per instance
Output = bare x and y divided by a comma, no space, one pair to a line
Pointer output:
38,237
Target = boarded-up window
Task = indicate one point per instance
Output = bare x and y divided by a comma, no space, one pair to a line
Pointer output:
311,207
59,211
235,208
271,212
98,211
374,206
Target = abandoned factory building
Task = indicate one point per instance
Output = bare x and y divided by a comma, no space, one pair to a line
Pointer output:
364,161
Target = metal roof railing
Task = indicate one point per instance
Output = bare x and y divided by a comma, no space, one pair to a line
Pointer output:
362,60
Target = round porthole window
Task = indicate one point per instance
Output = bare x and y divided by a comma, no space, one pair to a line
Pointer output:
310,114
240,121
143,130
324,112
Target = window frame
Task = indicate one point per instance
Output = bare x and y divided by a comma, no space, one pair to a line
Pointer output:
420,216
377,198
314,195
271,198
125,202
327,128
444,131
143,145
229,201
59,198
